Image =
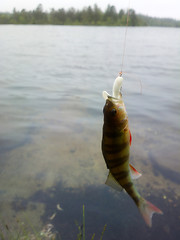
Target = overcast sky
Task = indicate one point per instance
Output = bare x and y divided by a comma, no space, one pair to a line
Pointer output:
154,8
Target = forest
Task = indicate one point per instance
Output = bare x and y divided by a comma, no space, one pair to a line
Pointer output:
87,16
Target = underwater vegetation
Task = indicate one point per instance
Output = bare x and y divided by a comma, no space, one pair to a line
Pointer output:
27,232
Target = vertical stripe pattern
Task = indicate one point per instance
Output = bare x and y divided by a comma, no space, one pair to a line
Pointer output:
116,147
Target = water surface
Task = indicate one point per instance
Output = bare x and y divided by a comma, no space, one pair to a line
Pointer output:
51,80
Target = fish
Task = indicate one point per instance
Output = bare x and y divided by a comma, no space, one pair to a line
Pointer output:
116,142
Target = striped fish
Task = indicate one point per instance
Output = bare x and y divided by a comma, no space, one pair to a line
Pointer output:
116,143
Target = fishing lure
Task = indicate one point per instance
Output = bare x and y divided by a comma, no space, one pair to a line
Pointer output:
116,143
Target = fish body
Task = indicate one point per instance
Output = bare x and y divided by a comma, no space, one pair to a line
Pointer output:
116,143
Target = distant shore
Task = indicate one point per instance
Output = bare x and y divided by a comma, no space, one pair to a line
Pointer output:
89,16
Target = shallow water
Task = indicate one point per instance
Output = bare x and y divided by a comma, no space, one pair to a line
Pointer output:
51,80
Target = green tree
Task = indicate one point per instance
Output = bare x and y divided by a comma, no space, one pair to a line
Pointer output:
121,13
86,16
15,16
5,18
61,16
79,17
133,21
97,14
39,17
110,15
89,15
121,18
71,16
52,16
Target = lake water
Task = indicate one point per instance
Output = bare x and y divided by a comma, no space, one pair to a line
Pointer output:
51,83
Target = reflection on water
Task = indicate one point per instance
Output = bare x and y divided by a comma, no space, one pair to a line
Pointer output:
51,120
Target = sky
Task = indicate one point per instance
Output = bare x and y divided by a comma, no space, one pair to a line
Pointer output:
154,8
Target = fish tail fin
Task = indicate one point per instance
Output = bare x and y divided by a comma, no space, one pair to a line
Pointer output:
147,209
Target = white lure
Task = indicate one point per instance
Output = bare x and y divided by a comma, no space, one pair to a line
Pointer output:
116,89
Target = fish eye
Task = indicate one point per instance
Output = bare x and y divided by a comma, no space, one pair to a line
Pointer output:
113,111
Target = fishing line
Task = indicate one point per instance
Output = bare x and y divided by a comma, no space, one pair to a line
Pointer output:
124,45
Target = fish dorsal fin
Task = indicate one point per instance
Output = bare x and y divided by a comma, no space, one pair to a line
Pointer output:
134,173
111,182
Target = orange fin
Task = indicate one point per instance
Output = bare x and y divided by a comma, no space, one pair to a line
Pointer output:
147,209
134,173
130,140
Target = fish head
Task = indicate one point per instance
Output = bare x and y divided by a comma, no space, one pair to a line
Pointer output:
114,111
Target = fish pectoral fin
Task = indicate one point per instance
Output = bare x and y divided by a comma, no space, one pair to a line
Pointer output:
130,136
134,173
111,182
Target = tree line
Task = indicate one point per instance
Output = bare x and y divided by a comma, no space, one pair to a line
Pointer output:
87,16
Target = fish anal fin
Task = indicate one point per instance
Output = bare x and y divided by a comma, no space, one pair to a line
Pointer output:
134,173
111,182
147,210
